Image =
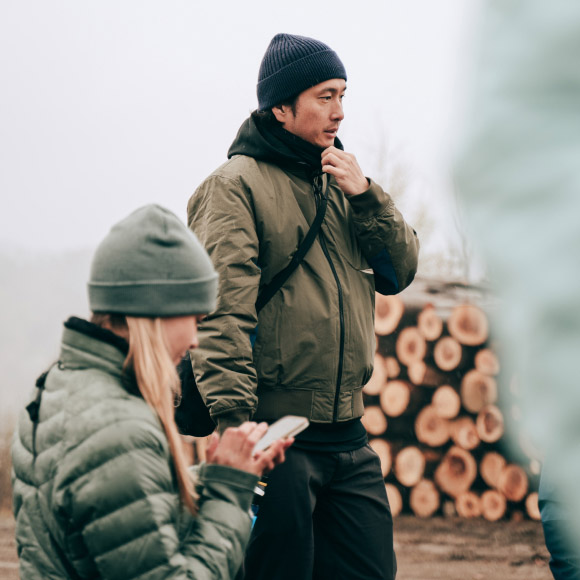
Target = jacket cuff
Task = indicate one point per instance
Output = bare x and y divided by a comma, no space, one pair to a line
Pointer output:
231,419
369,203
228,483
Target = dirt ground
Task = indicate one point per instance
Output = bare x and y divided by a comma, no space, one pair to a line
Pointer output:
449,548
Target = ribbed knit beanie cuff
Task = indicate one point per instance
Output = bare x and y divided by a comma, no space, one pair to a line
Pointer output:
151,265
293,64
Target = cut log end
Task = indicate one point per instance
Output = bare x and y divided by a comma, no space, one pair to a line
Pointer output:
464,433
388,313
456,472
446,402
378,379
429,323
513,483
486,362
468,505
426,376
374,420
409,466
395,398
493,505
477,390
532,507
490,468
430,428
410,346
468,324
383,449
424,499
489,424
447,353
393,367
395,499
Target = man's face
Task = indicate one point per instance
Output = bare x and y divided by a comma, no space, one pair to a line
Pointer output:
318,113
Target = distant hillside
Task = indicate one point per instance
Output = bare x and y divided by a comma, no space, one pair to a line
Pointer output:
37,293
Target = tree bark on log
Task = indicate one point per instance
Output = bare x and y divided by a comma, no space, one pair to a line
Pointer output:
489,424
424,499
490,468
410,346
429,323
477,391
430,428
388,313
468,324
446,402
409,466
493,505
468,505
456,472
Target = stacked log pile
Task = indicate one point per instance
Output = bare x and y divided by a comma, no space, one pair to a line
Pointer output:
433,417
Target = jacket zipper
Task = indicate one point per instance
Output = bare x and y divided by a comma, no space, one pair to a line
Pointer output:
318,193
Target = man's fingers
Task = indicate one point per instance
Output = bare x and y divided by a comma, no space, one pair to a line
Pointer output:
257,433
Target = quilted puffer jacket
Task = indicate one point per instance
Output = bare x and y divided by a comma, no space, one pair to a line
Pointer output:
94,490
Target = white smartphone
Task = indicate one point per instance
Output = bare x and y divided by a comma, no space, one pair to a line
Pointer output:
287,426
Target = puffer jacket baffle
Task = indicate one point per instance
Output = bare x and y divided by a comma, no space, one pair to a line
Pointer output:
95,470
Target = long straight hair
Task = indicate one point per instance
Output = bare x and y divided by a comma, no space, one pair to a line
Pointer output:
158,383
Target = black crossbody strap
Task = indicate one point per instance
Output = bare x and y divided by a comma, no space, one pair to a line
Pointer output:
280,278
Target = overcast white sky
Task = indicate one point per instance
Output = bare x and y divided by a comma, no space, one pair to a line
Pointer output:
108,105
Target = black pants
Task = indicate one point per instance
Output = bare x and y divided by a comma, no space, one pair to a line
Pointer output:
323,516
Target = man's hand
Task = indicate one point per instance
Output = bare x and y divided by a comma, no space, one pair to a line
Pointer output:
345,169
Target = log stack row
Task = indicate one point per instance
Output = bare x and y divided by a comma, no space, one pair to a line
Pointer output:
432,415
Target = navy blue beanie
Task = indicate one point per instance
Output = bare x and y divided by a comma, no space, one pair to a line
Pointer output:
293,64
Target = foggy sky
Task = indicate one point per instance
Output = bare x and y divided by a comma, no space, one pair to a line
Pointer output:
108,105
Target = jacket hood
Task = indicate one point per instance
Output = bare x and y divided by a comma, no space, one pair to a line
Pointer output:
264,140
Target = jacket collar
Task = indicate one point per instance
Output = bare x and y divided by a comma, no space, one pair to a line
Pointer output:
86,345
269,141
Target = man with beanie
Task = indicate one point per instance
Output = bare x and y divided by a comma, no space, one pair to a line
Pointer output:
310,349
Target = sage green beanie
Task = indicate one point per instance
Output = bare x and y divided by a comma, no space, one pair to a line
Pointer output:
151,265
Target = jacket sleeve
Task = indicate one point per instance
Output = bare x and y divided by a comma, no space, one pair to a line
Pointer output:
221,214
388,243
124,513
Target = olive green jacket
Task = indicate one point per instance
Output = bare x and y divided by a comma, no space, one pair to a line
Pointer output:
96,470
310,350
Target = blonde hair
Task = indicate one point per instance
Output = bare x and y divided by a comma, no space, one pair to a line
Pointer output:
158,382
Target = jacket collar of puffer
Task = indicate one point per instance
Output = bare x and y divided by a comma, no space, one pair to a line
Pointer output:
86,345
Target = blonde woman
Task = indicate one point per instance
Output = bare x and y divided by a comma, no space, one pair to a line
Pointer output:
101,485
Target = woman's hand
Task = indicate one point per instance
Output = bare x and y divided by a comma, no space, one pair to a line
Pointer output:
235,448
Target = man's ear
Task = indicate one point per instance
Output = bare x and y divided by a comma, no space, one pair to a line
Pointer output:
281,113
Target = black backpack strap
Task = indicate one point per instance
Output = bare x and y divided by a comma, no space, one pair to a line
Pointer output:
280,278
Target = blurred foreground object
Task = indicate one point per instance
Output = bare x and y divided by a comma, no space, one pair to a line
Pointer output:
518,173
